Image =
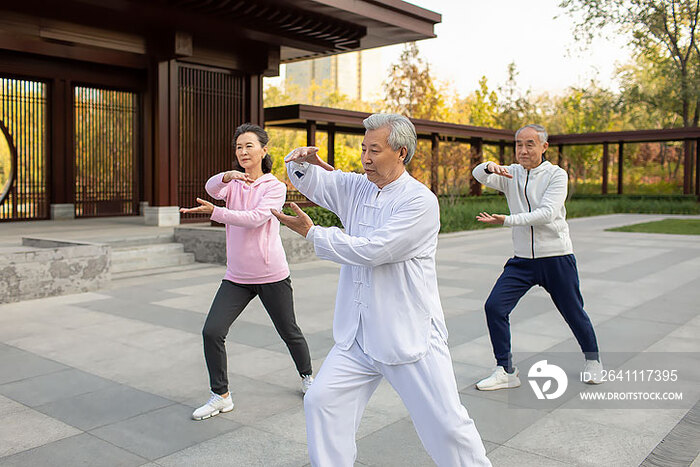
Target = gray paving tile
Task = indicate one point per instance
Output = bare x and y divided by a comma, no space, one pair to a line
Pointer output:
676,307
62,384
255,335
621,334
397,445
566,439
163,432
26,429
504,456
245,447
16,365
465,327
141,294
497,421
184,320
115,403
647,265
83,449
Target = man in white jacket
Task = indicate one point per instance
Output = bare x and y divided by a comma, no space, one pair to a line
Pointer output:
536,191
388,320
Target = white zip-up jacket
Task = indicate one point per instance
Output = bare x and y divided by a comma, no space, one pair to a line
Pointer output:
536,201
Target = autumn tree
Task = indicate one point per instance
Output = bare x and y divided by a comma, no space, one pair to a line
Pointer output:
411,89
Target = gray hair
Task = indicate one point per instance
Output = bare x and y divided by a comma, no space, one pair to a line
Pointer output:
402,133
541,132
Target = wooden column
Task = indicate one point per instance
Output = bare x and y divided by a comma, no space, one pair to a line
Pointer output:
687,167
477,157
502,153
606,162
165,141
311,133
620,162
62,155
560,157
331,144
697,167
255,100
434,162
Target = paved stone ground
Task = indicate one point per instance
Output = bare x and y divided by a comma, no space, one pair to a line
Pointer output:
110,378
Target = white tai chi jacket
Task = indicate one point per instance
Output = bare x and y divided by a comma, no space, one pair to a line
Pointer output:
388,282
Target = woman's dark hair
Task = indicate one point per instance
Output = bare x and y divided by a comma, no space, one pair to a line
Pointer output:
263,138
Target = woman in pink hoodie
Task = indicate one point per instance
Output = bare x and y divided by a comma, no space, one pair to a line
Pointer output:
256,264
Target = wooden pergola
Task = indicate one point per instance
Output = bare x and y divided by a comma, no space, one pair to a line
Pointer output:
332,121
689,135
313,118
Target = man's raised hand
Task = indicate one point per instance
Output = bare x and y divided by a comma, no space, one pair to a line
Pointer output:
307,154
495,219
301,223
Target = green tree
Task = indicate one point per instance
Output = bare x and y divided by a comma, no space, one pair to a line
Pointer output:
663,32
514,106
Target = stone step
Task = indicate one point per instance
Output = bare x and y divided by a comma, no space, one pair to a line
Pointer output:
139,240
134,275
151,256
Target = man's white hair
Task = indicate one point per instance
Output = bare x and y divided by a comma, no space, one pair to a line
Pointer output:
541,132
402,133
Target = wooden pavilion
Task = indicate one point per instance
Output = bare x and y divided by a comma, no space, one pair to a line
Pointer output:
125,107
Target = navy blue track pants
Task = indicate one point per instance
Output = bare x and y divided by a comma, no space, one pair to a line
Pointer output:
559,277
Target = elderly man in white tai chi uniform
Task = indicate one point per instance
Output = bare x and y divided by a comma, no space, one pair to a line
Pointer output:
388,318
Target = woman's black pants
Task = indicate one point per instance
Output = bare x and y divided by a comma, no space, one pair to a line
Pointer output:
230,301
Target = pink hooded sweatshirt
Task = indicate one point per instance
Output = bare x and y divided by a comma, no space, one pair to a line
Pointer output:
254,253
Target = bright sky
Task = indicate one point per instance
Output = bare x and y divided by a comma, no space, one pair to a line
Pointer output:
479,38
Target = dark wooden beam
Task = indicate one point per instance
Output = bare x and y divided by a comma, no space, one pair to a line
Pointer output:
296,116
38,46
632,136
48,68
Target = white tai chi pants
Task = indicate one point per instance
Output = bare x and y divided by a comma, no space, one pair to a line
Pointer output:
335,402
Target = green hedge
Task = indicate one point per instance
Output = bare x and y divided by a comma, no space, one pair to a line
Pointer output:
458,214
319,215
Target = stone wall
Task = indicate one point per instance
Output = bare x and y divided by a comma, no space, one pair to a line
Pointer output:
209,244
43,268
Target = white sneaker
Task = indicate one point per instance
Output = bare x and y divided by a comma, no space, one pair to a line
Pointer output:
306,383
216,405
592,372
499,379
